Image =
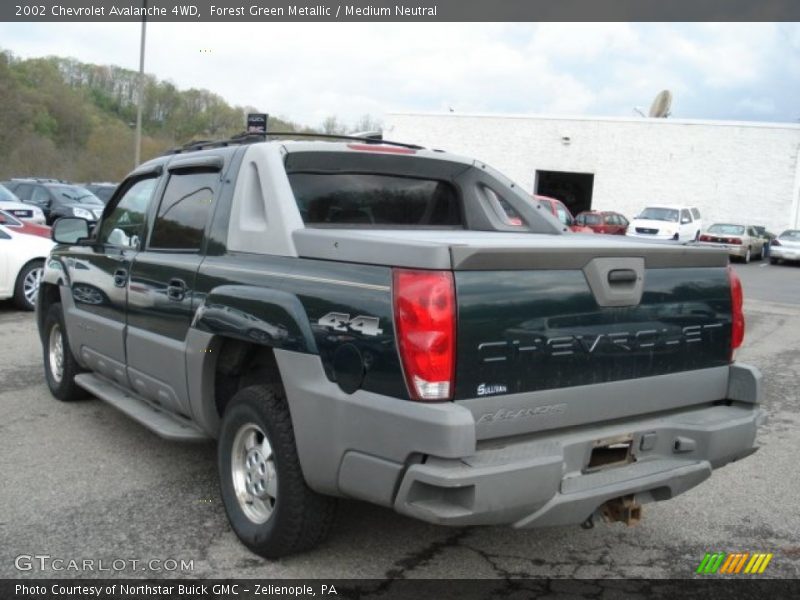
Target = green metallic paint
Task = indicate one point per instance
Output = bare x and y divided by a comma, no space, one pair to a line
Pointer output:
279,301
522,331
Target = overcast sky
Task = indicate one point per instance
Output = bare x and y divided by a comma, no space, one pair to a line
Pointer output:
307,71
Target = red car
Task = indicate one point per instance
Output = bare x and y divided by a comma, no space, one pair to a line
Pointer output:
15,224
603,221
561,212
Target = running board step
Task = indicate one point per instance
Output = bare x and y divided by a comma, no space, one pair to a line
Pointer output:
137,408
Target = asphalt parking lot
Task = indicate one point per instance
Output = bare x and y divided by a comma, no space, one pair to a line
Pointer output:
82,481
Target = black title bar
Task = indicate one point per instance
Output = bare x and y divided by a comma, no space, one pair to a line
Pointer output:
413,10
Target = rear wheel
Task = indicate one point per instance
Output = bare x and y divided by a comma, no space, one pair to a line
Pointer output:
747,256
60,367
269,504
774,261
27,286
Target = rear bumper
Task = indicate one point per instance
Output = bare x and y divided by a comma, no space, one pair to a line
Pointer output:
739,251
784,253
436,463
542,482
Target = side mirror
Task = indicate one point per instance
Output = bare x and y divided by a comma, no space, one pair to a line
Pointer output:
70,230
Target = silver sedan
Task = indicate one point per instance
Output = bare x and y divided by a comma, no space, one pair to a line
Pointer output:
741,241
785,247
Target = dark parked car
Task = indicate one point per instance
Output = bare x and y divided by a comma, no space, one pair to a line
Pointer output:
767,236
104,191
57,199
605,221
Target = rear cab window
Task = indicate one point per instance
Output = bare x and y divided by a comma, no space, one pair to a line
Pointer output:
375,199
372,189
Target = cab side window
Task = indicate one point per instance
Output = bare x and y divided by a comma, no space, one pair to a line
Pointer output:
124,225
40,196
23,192
685,216
184,210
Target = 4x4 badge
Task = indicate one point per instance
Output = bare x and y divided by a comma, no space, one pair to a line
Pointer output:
342,321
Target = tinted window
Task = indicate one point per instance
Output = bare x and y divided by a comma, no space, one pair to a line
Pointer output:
40,195
695,213
685,216
6,195
507,213
24,191
374,199
184,210
660,214
592,219
124,225
74,193
562,213
7,219
725,229
791,234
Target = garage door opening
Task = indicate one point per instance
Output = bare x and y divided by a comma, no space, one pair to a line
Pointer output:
573,189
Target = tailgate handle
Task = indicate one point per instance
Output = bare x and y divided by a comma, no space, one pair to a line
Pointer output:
621,276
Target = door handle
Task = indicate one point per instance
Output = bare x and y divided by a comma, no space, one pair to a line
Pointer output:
120,277
176,290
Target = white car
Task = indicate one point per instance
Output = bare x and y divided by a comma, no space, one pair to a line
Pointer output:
24,212
667,222
22,259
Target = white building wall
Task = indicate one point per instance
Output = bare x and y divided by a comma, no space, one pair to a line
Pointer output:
732,171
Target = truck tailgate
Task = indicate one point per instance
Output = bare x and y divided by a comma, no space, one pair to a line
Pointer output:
568,329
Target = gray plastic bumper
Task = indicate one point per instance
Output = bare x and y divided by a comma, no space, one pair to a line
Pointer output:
541,482
427,461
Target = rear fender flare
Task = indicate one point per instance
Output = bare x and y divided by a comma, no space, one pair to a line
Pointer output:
258,315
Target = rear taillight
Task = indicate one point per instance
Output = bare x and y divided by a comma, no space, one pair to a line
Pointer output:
425,321
704,238
775,242
735,241
737,311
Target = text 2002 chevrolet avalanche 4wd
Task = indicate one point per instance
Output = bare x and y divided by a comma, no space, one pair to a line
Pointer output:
367,321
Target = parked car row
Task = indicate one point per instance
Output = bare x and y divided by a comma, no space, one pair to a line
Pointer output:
683,224
56,199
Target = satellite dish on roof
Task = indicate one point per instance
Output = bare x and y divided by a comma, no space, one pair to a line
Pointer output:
661,105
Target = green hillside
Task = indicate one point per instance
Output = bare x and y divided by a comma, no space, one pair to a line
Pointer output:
72,120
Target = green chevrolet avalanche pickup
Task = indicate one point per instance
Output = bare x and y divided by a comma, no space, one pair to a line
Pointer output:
398,325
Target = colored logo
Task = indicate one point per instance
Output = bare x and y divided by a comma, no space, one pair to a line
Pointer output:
734,563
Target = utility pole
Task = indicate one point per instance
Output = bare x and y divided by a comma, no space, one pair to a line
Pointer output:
140,94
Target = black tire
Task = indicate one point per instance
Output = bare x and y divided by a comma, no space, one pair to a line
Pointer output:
21,300
63,388
773,261
300,518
